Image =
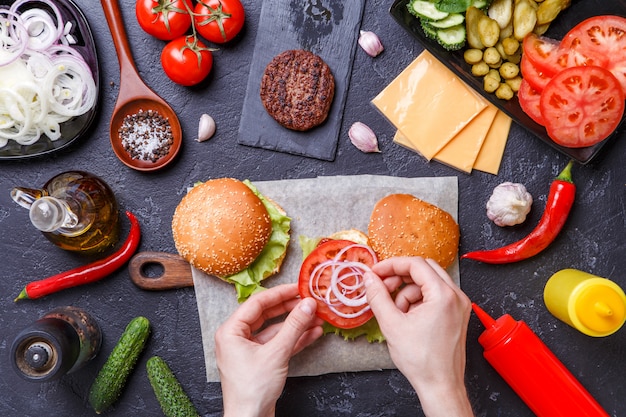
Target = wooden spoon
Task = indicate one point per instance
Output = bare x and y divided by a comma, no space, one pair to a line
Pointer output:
134,95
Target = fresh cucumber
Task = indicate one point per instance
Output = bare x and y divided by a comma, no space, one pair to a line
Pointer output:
424,9
170,394
111,379
481,4
452,38
429,30
453,6
452,19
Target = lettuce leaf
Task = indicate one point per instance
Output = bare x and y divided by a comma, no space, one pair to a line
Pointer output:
248,281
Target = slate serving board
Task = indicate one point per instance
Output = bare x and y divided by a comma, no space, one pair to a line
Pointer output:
328,28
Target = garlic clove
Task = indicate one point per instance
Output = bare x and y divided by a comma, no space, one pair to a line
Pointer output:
370,43
206,128
363,137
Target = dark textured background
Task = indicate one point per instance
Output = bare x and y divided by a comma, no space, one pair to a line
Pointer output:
593,240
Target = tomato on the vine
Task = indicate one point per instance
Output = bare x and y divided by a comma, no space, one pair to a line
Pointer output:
219,21
164,19
581,106
186,60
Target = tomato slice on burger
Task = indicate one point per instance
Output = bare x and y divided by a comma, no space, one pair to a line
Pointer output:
333,275
581,106
601,41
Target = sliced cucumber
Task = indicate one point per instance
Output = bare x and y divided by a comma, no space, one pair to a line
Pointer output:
453,6
452,19
425,10
429,30
481,4
452,38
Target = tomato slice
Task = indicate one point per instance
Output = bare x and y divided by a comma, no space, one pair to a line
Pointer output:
315,280
529,101
543,53
533,75
601,41
581,106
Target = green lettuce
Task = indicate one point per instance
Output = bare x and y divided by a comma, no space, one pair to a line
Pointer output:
248,281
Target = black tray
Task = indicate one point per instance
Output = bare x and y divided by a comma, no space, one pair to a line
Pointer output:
76,127
578,11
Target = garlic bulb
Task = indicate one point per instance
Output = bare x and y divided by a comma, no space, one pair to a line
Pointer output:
509,204
363,137
370,43
206,128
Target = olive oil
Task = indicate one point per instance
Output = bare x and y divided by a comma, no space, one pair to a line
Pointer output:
75,210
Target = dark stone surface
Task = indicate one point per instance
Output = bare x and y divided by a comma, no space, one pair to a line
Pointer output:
593,240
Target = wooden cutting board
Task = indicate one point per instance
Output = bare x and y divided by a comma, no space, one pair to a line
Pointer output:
328,28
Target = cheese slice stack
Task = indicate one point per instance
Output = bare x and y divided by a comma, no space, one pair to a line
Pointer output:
441,118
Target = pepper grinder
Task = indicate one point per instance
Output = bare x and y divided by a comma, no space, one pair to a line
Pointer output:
60,342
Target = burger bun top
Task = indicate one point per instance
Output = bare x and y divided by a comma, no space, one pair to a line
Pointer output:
220,226
404,225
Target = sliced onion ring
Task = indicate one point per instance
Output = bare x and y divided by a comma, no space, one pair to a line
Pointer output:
52,80
339,293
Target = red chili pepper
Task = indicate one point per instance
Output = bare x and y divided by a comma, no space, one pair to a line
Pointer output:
88,273
560,201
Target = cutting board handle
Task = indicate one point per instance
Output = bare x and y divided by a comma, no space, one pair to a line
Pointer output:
176,271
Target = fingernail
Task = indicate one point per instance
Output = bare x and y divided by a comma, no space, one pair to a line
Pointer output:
368,279
307,305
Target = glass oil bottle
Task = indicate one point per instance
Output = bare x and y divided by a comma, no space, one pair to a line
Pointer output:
75,210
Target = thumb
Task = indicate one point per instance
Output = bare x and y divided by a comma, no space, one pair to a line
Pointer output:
297,323
380,300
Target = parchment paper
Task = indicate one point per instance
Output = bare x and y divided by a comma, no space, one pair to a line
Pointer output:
319,207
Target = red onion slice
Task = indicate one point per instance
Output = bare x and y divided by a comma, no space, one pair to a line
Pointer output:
346,287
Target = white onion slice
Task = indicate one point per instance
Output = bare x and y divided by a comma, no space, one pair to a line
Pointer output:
43,81
346,287
13,37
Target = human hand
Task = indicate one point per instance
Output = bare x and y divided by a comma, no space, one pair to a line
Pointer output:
426,329
253,357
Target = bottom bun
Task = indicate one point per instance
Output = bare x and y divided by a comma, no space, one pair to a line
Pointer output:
353,235
404,225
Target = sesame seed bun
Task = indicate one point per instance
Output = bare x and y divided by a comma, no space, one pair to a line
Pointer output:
221,226
353,235
403,225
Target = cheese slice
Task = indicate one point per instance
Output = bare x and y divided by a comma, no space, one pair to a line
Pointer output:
428,104
490,155
462,150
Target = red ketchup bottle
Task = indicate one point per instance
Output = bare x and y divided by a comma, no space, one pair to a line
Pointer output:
532,370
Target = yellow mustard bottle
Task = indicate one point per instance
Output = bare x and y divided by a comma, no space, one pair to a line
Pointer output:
593,305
